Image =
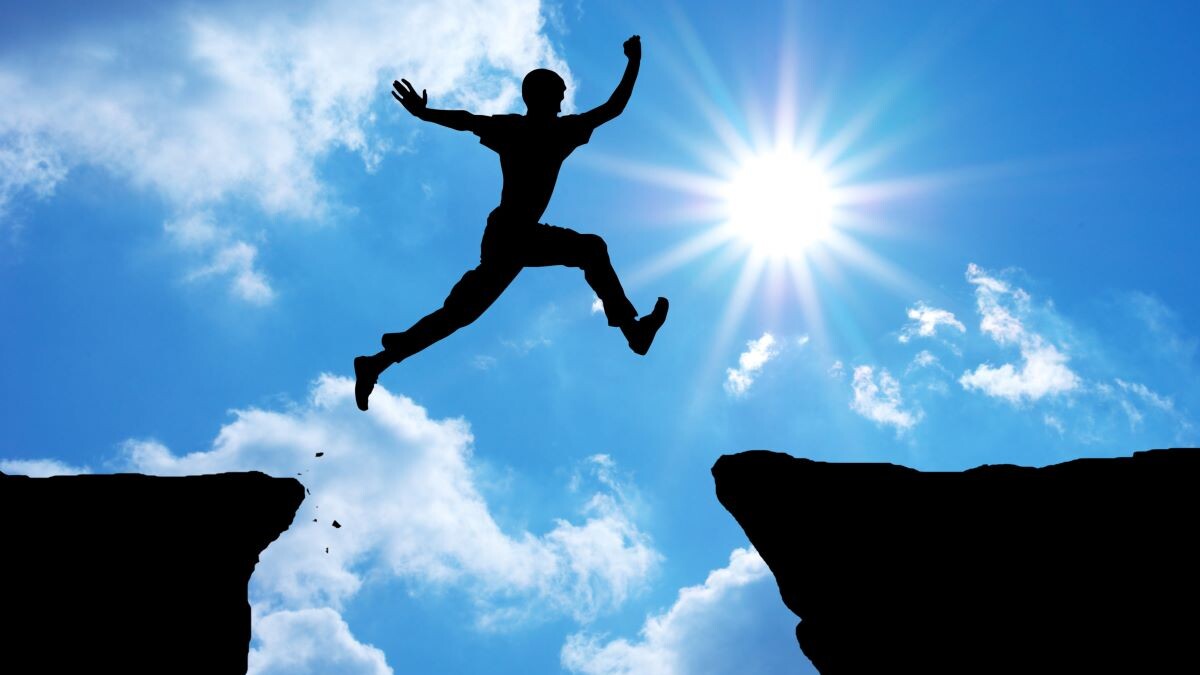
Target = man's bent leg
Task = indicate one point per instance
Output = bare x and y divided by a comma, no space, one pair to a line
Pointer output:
470,297
551,245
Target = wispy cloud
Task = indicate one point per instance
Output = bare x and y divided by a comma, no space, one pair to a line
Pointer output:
209,107
837,369
484,362
923,359
1148,396
706,630
750,363
40,468
402,486
879,399
26,167
1129,395
1043,369
924,321
1166,335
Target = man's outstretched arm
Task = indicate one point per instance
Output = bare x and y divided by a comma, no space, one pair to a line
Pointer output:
419,107
620,96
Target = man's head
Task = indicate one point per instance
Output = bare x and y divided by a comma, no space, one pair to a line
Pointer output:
543,92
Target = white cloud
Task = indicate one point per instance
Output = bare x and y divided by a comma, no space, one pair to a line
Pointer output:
236,260
40,468
209,107
995,318
1135,416
402,487
597,305
1054,423
758,352
923,359
26,166
881,401
229,257
925,320
311,641
718,627
1043,370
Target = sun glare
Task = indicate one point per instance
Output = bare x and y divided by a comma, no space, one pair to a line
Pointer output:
780,191
779,204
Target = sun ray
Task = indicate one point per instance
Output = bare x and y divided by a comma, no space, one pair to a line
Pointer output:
804,286
890,276
677,257
678,179
735,310
711,95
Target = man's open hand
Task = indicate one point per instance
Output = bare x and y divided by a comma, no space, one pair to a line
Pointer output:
633,47
407,96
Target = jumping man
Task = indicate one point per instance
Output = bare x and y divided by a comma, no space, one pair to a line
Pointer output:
532,148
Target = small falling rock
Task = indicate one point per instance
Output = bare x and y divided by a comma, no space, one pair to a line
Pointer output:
320,454
336,524
314,520
327,549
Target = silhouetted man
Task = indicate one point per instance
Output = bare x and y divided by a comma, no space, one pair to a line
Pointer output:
532,148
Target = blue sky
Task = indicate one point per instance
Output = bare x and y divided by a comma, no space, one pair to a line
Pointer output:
207,210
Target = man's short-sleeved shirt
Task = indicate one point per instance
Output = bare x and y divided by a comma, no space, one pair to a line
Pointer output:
531,153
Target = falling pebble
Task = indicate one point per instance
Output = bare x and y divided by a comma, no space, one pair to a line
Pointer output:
336,524
314,520
327,549
320,454
307,491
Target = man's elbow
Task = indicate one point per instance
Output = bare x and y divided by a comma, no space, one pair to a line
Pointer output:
609,111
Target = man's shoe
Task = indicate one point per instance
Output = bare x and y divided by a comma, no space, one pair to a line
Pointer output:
365,376
647,327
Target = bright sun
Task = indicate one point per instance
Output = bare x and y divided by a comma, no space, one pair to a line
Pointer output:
779,192
779,204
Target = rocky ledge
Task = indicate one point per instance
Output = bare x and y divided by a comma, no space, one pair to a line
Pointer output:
128,573
1087,566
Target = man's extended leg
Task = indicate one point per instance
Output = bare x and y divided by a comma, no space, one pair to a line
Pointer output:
551,245
474,293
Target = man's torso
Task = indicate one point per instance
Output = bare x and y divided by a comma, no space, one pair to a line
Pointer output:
531,153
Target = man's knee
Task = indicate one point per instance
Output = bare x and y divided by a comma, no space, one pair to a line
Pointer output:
593,249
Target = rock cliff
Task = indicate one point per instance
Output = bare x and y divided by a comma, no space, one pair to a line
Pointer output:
128,573
1087,566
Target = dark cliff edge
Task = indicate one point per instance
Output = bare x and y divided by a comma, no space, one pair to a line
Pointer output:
1087,566
128,573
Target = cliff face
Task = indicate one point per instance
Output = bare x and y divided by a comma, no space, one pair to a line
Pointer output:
134,574
1087,566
